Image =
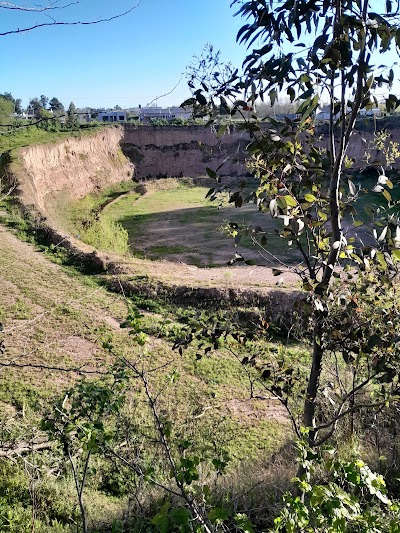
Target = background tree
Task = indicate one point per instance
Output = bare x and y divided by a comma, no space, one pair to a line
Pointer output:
44,101
72,118
56,106
35,106
16,101
18,105
6,108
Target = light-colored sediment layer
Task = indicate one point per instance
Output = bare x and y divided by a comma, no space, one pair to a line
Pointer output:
69,169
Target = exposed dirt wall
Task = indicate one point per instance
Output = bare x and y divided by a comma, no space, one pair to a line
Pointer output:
184,151
69,169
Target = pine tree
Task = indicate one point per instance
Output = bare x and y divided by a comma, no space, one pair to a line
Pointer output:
72,117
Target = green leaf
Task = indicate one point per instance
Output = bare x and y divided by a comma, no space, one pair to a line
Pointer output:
211,173
243,523
218,514
280,200
310,198
290,201
201,99
180,515
273,96
221,130
387,195
396,255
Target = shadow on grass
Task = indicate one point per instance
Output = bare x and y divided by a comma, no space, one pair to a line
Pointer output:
195,236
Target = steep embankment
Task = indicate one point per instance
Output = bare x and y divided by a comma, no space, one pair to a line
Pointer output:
184,151
51,175
187,151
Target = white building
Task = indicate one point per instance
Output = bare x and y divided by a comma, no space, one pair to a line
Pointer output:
146,114
112,116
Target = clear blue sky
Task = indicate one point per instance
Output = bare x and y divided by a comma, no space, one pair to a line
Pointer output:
128,61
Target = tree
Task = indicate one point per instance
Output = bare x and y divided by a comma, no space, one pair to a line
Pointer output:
6,108
35,106
44,101
17,102
311,52
18,105
7,96
49,13
72,118
56,106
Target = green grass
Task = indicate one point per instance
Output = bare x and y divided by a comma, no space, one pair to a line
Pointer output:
64,304
33,135
162,250
181,223
86,220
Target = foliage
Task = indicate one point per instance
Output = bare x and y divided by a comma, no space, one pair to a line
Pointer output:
105,234
337,496
302,185
6,108
15,101
56,106
72,118
78,423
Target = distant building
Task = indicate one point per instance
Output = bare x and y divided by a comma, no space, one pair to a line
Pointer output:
112,116
325,112
147,114
84,115
23,116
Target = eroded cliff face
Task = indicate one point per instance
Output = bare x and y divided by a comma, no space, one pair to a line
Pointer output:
186,151
162,151
52,174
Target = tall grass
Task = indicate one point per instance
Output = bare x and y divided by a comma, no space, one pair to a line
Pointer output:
87,220
105,234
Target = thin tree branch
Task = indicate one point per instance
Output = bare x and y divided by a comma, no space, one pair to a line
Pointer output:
75,23
75,370
51,7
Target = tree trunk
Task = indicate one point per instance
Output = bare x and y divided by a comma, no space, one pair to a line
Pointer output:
310,401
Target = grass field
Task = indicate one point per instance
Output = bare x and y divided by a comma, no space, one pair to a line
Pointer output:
26,136
174,220
55,318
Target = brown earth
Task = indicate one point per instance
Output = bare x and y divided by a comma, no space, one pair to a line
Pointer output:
51,175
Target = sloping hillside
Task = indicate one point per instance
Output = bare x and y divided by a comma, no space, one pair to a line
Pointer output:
55,322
